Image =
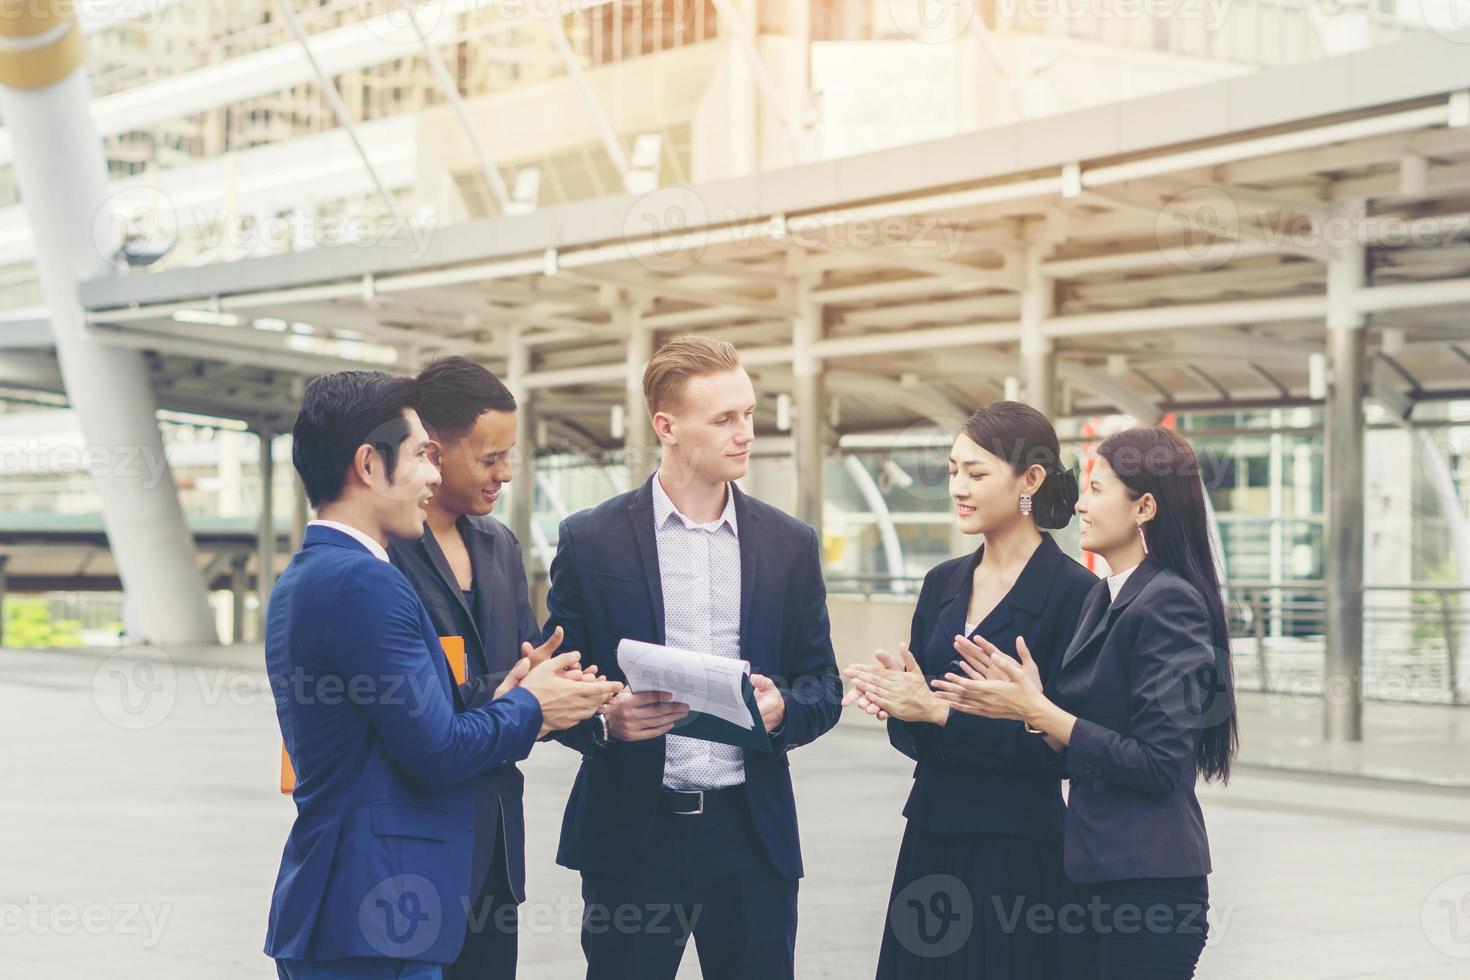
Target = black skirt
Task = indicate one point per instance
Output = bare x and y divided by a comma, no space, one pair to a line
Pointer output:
989,906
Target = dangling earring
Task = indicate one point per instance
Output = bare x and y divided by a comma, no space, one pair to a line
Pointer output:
1142,540
1025,505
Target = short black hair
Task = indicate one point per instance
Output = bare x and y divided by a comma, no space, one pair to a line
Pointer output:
341,412
454,391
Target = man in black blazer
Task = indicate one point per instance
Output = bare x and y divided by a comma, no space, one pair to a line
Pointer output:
677,836
466,567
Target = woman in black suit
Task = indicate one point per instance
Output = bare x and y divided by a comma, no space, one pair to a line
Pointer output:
1141,703
979,871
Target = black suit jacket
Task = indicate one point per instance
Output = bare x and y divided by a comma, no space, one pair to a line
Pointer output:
493,631
1139,676
605,586
984,775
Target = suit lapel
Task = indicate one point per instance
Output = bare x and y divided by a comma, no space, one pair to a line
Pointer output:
747,529
489,587
949,616
640,515
1101,621
1091,623
446,575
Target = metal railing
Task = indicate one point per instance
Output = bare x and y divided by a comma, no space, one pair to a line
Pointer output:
1416,635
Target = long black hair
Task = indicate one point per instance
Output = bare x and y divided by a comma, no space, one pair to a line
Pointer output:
1155,460
1023,437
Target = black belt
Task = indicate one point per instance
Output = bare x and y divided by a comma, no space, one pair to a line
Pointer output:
692,803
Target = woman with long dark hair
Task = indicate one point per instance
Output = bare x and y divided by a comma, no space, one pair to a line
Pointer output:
1141,704
979,874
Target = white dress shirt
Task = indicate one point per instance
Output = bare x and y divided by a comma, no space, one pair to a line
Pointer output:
699,566
378,551
1115,583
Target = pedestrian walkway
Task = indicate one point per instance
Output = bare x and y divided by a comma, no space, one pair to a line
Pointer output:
142,832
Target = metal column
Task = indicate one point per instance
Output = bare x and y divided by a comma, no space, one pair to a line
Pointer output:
1346,346
45,99
809,404
523,482
639,450
4,559
1038,352
239,587
265,544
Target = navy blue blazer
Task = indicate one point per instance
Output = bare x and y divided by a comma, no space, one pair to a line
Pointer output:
377,862
985,775
1138,675
605,586
501,620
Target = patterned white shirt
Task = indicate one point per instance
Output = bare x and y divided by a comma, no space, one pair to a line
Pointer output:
699,566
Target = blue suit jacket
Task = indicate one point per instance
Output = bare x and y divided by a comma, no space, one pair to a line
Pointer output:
501,620
985,775
1141,676
605,585
377,863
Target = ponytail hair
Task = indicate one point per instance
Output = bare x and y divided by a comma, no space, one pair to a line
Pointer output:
1023,437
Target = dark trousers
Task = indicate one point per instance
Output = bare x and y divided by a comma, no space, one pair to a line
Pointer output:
357,968
705,875
1149,928
490,945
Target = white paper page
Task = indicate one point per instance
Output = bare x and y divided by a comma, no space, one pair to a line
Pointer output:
704,682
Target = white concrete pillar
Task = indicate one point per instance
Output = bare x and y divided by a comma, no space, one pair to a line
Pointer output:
639,449
1346,349
265,545
1038,352
45,100
523,480
809,407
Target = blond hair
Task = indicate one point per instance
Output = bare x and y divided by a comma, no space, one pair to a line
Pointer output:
675,363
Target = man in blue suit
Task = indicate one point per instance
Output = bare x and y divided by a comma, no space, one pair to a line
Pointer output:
374,878
467,569
678,836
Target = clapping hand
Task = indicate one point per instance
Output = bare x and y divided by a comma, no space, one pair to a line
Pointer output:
900,690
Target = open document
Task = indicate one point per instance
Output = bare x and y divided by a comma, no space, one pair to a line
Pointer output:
718,691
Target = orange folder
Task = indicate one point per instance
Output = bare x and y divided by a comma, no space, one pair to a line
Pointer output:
458,666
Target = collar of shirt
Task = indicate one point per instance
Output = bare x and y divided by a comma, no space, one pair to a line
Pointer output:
664,509
377,550
1115,582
